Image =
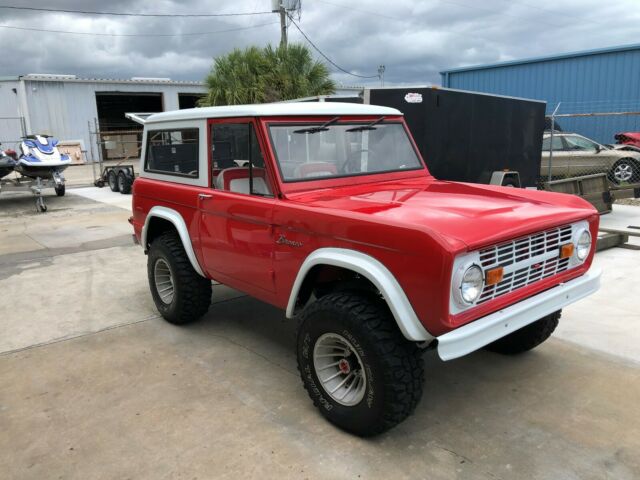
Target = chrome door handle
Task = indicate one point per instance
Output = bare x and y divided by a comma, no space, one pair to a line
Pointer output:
203,196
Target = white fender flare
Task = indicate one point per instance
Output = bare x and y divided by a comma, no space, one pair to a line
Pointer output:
376,273
176,219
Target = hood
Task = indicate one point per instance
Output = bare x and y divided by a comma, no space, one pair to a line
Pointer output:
474,214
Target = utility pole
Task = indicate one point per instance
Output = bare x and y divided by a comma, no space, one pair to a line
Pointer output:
278,6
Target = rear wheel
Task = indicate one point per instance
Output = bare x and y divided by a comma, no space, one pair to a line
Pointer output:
112,180
356,366
527,337
124,183
181,295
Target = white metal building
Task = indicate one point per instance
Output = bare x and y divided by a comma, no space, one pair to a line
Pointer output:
65,106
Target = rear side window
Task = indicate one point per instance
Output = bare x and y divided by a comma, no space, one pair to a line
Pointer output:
173,152
557,144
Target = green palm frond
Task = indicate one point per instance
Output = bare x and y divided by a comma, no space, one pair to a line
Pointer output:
258,75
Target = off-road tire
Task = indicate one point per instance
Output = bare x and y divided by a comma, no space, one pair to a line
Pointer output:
192,292
112,180
124,183
527,337
60,190
393,365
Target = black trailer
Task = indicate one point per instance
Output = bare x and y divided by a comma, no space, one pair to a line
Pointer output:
470,136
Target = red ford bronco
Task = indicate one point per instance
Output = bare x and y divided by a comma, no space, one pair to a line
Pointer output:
327,211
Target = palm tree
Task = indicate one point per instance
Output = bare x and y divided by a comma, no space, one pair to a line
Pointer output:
256,75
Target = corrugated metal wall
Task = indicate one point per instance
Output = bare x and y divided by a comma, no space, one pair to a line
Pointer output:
64,108
598,82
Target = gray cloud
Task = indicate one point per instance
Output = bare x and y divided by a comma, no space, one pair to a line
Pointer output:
414,39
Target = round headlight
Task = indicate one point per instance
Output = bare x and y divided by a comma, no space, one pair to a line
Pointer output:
471,285
584,245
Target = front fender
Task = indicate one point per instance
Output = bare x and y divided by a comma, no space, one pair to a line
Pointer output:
376,273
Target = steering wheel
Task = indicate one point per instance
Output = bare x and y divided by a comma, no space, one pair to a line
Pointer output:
355,155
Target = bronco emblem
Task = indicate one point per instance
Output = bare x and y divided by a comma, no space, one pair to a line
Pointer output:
282,240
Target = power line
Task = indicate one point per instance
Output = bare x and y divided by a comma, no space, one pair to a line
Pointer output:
324,56
122,14
138,34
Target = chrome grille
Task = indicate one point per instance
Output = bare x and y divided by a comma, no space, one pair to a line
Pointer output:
525,260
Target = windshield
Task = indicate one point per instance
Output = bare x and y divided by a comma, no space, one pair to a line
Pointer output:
307,151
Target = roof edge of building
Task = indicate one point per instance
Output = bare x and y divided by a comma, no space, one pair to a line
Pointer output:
544,58
74,79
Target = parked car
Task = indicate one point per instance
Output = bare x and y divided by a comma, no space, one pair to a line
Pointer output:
327,211
628,138
575,155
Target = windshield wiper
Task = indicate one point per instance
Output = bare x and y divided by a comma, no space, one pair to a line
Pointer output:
319,128
362,128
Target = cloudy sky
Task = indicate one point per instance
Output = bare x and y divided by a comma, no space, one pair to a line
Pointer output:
413,39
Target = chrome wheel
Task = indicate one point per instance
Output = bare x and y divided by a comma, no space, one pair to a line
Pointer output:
163,281
623,172
339,369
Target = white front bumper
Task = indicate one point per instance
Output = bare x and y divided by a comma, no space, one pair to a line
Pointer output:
485,330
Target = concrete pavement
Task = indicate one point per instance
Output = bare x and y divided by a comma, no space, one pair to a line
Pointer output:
94,385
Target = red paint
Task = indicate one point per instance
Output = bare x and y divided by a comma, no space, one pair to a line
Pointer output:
628,138
412,223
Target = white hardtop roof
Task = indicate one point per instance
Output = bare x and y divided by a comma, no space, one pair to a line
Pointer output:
272,109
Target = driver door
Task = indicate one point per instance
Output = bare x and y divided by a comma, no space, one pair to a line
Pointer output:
236,215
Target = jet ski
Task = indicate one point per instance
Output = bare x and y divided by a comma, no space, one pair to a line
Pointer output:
7,162
41,158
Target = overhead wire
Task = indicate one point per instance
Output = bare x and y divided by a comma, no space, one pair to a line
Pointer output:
295,24
129,14
99,34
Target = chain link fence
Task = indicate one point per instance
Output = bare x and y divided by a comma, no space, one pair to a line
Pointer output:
568,151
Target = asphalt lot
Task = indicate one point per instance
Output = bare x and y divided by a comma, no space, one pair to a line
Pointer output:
94,385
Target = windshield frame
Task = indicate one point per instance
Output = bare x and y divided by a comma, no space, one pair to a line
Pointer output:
345,179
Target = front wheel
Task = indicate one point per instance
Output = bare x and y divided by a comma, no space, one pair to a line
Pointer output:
625,171
527,337
112,180
356,366
60,190
181,295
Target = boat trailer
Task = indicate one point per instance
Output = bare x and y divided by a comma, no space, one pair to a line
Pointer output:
35,186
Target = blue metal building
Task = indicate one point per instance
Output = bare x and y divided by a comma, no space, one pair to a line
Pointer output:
603,80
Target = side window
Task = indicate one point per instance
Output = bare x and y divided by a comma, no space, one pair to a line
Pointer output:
557,144
580,143
237,161
173,152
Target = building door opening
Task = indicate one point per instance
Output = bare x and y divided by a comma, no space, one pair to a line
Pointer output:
119,136
189,100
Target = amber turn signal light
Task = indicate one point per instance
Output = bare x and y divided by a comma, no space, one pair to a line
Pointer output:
566,250
494,276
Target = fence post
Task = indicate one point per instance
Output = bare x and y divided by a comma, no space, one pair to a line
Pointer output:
553,127
98,143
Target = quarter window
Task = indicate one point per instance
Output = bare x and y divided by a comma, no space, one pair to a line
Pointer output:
557,144
173,152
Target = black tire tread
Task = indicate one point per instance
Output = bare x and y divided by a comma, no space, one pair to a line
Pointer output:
112,185
527,337
195,290
402,360
126,183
